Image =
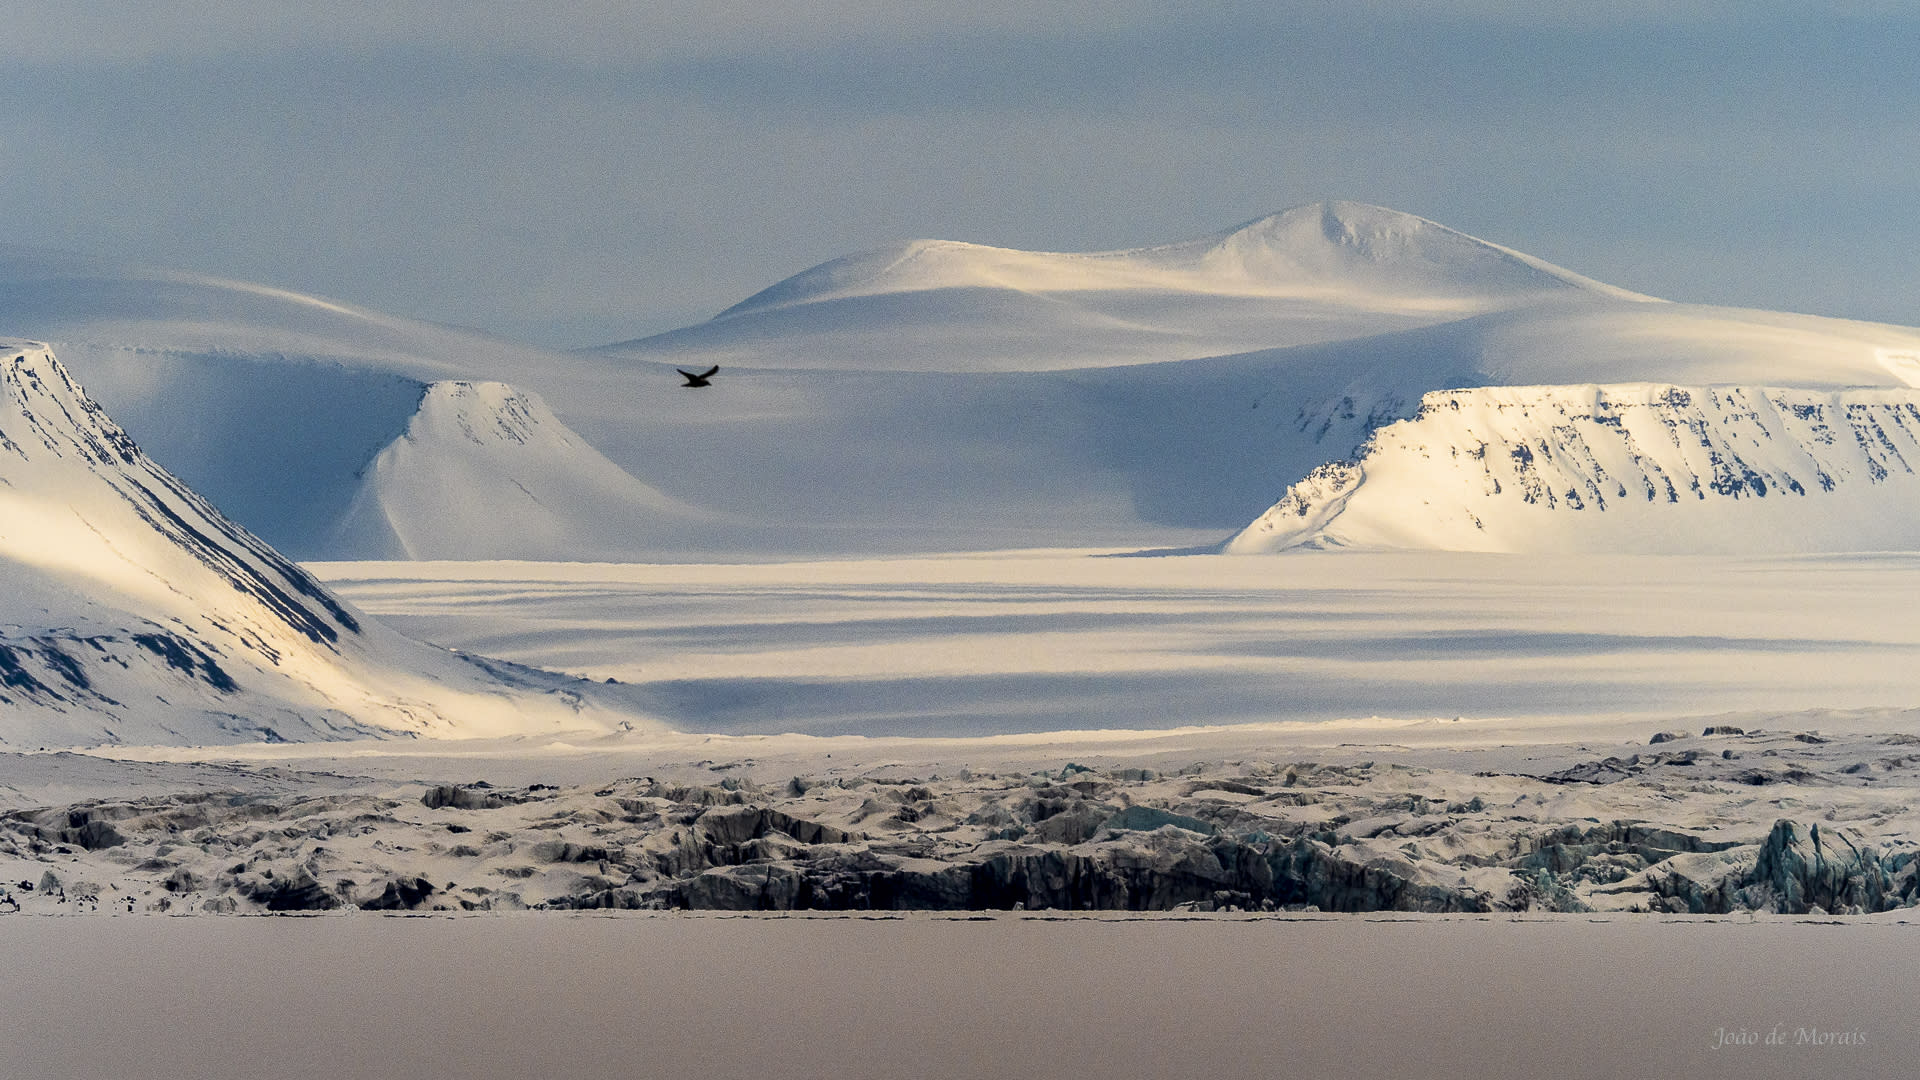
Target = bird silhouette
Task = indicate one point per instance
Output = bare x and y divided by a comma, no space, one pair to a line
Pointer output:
700,379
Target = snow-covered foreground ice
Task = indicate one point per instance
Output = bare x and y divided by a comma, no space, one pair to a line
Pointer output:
1049,641
1483,999
1353,732
1722,820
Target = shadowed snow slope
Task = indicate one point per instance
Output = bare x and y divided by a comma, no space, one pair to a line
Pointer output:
1313,273
485,471
132,611
275,406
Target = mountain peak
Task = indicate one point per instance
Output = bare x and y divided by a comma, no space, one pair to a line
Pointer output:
1333,251
483,412
1341,222
1374,234
1369,249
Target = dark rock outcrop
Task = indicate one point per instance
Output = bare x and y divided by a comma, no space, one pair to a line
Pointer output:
460,798
297,891
400,894
1173,867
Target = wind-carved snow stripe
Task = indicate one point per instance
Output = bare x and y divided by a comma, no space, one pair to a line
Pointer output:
1628,467
242,574
504,413
1343,417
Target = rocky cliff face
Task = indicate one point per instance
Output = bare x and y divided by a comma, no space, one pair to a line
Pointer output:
1641,467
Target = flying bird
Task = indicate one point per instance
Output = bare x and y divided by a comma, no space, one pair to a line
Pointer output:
700,379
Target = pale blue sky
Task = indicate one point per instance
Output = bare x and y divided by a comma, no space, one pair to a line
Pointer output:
619,169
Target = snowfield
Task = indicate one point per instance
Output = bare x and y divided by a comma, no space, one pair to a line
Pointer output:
1335,646
1344,732
979,581
1073,640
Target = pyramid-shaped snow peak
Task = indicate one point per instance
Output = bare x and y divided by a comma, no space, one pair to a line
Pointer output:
131,610
486,471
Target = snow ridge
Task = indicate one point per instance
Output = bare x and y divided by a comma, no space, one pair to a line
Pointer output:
1636,467
486,471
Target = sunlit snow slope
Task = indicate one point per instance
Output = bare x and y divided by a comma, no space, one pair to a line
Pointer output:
1638,467
132,611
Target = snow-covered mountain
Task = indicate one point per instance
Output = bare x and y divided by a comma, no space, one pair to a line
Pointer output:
1313,273
133,611
1343,254
271,403
937,396
1186,386
485,471
1637,467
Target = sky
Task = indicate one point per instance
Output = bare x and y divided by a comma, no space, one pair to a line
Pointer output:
616,169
